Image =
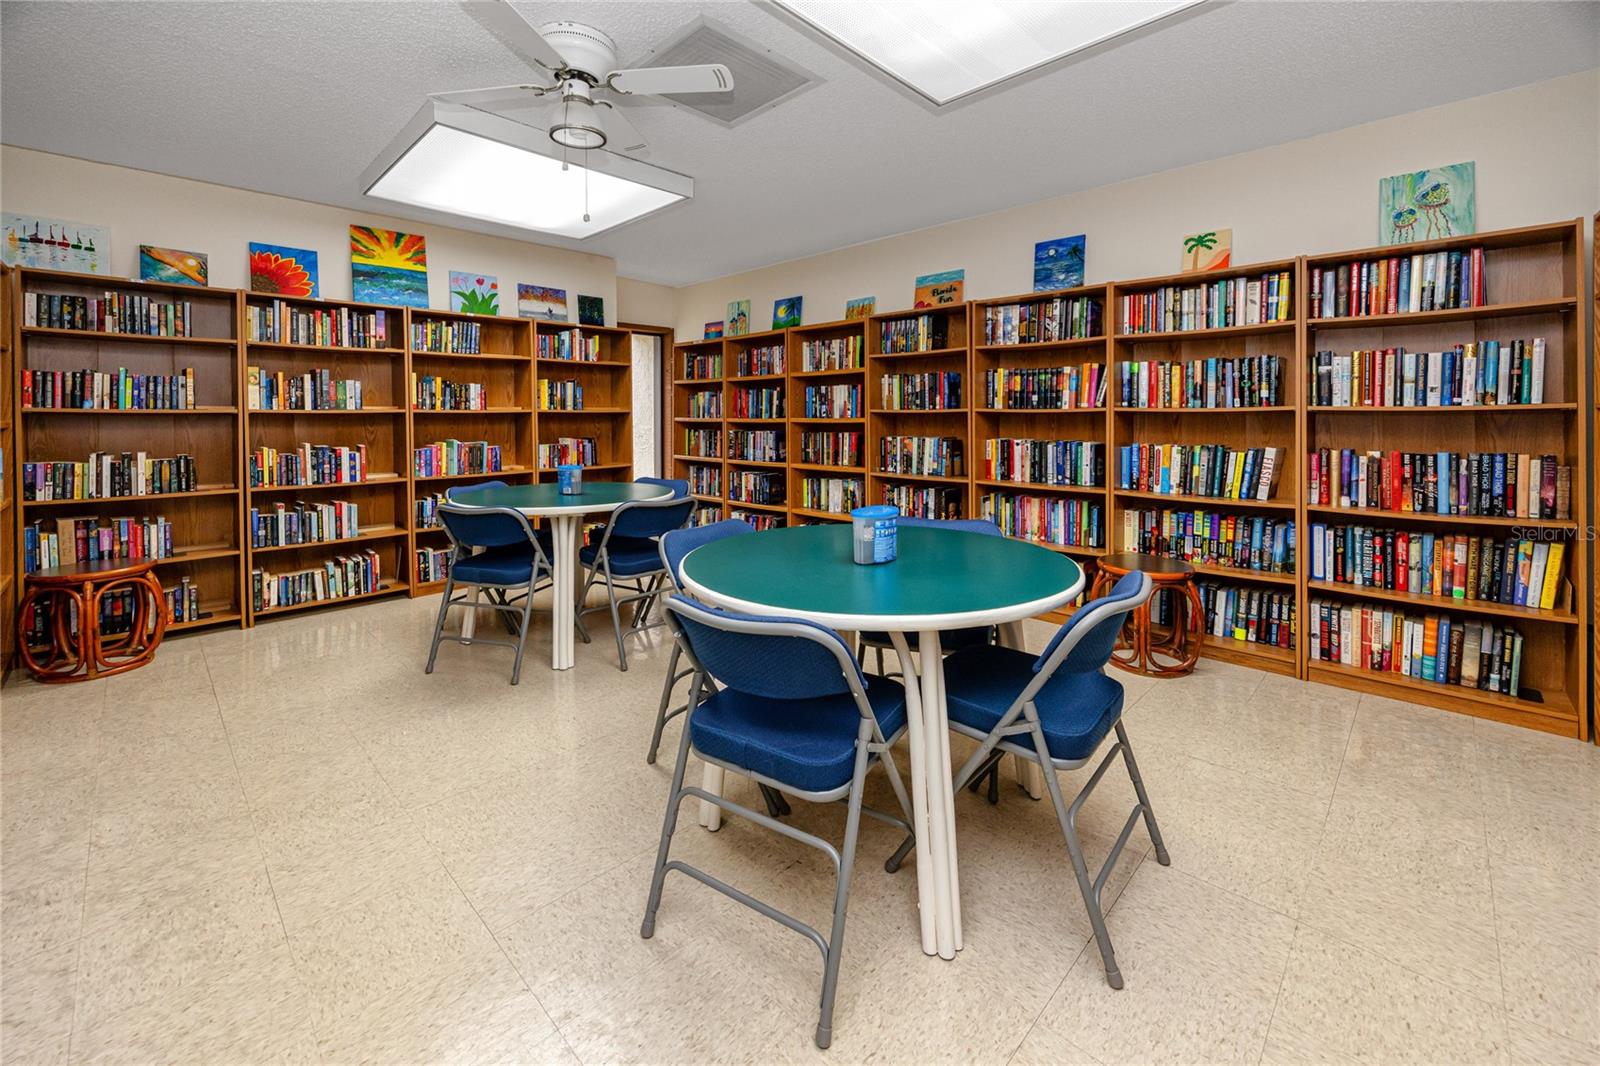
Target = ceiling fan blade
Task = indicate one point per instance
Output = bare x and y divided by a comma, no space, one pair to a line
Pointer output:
655,81
621,134
496,98
501,19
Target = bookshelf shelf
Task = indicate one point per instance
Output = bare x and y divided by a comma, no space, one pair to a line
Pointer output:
102,336
28,412
366,535
1461,409
1215,332
1191,502
487,475
1550,715
810,512
330,349
1449,314
1040,486
203,490
1444,603
265,412
604,423
1231,573
385,588
1368,515
11,562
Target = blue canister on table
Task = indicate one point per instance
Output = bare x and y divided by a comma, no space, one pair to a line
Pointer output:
875,539
570,477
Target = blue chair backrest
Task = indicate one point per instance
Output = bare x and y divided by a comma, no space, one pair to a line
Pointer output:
485,527
964,525
677,543
679,487
778,658
651,518
1093,628
455,492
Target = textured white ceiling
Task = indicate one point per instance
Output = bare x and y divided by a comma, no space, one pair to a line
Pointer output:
297,98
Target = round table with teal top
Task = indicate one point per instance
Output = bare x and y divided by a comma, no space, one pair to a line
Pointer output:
566,519
942,579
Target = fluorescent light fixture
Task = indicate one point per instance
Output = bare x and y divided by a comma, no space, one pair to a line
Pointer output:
460,161
947,49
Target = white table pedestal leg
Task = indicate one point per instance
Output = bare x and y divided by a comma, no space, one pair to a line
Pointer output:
927,898
941,796
710,814
563,606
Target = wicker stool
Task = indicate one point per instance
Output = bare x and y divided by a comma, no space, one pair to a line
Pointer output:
82,587
1171,655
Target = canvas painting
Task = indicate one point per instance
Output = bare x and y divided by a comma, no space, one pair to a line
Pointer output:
474,294
1058,264
713,330
1428,204
54,244
786,312
591,310
173,266
283,271
387,267
945,287
860,308
1211,250
544,302
738,319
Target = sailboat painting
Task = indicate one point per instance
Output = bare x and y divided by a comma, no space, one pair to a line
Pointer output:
54,244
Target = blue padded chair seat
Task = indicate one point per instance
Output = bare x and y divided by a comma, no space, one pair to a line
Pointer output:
1076,710
808,744
630,556
508,565
949,639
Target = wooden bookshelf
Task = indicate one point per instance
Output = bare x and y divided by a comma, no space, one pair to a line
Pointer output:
695,408
739,377
842,370
503,364
1593,716
1533,278
382,426
607,412
207,523
10,557
945,349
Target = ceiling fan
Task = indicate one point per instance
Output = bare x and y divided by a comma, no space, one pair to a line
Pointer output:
576,64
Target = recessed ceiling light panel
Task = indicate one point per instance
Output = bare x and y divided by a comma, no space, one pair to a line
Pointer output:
947,49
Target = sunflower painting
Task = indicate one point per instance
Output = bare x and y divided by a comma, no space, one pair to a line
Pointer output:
173,266
387,267
476,294
283,271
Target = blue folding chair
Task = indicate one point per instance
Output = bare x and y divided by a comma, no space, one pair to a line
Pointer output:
628,548
674,546
494,550
794,713
1056,710
949,640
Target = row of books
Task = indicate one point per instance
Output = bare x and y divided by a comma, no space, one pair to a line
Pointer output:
66,541
1512,570
841,495
118,612
1212,538
313,390
308,464
702,367
758,520
705,514
914,333
567,450
447,338
931,456
337,578
765,359
833,401
183,602
704,404
1433,647
833,353
938,501
569,344
106,390
1483,484
114,312
756,486
705,443
756,445
333,327
1251,615
933,391
1468,375
432,564
1045,462
1215,470
1055,520
704,480
1399,284
831,447
560,395
1215,382
105,475
303,523
425,510
763,402
1215,304
447,458
1056,318
429,393
1045,388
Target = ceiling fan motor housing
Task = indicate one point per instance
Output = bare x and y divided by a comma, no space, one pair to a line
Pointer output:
589,54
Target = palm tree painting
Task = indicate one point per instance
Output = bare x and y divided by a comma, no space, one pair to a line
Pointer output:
1427,204
1211,250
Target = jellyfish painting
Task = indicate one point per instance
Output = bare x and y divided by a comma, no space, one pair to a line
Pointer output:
1402,223
1432,200
1428,204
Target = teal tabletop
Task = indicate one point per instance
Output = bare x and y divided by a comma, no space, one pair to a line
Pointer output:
942,578
546,498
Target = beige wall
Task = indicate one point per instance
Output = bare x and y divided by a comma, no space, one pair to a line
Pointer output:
645,304
1537,149
145,208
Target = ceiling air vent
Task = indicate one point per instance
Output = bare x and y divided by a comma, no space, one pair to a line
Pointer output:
760,78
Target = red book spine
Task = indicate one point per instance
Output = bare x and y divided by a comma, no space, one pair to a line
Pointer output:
1402,561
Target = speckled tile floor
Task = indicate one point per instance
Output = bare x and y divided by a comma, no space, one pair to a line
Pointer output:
289,845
